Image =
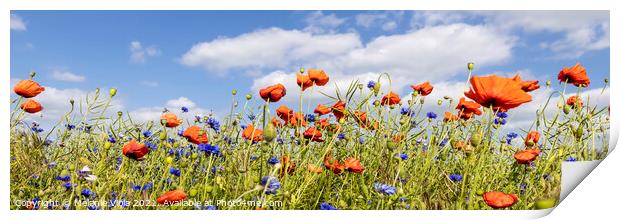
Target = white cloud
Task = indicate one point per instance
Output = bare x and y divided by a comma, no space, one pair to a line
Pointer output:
139,53
581,31
17,23
174,105
319,23
67,76
268,48
388,21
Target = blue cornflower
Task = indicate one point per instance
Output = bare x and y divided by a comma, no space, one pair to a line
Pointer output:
406,111
111,139
171,140
151,146
327,206
253,157
271,184
92,207
341,136
456,177
210,207
362,140
147,186
51,165
404,156
68,185
385,189
175,171
64,178
87,193
371,84
70,126
512,135
213,124
147,133
431,115
180,132
311,118
184,109
500,121
273,160
243,127
136,187
251,117
37,129
443,142
502,114
571,159
208,148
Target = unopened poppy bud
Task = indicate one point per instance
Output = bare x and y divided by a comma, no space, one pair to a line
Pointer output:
269,133
376,103
446,97
71,101
32,74
548,83
301,70
422,101
112,92
194,155
566,109
376,88
606,80
415,93
470,66
248,96
360,86
208,188
193,192
107,145
119,113
439,102
234,92
162,136
476,140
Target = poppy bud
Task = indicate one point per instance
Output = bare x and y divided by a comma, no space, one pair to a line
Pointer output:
269,133
248,96
439,102
470,66
107,145
168,160
476,140
32,74
606,80
422,101
234,92
548,83
71,101
208,188
566,109
193,192
376,88
112,92
545,203
162,136
120,113
301,70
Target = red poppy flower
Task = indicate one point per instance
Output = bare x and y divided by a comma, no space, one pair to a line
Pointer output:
31,106
318,77
526,86
304,81
284,113
390,99
322,110
196,135
338,109
28,88
134,150
526,156
273,93
334,166
297,119
313,134
423,89
276,123
467,109
171,120
532,136
576,75
499,200
574,101
353,165
322,124
172,197
287,165
448,116
498,92
253,134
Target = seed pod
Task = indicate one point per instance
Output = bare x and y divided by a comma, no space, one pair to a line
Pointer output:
248,96
470,66
234,92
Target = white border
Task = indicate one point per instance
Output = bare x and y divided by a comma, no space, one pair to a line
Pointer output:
606,171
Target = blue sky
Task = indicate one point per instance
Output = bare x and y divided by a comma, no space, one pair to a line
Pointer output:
162,59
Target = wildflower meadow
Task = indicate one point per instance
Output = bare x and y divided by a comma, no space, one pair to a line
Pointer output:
366,149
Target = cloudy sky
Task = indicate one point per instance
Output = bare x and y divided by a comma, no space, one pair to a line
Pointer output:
171,59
